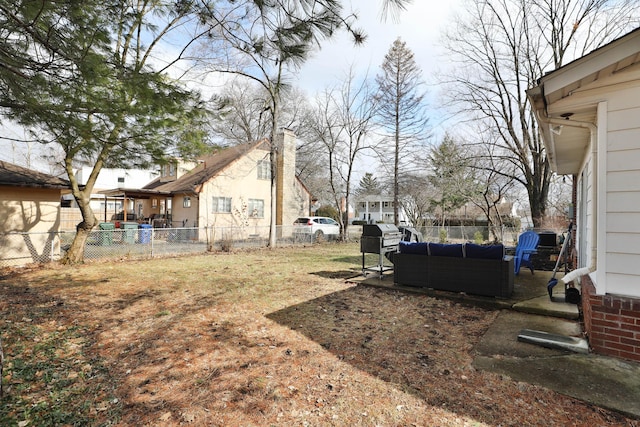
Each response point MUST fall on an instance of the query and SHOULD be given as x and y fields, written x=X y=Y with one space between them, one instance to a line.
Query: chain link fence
x=471 y=233
x=142 y=241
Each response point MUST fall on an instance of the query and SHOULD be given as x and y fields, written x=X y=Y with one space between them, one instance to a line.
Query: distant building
x=106 y=207
x=231 y=188
x=378 y=208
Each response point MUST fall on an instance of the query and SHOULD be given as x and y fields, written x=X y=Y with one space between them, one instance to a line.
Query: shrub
x=328 y=211
x=226 y=242
x=443 y=235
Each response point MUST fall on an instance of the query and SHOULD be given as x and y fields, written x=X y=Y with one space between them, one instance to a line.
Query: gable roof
x=17 y=176
x=208 y=168
x=604 y=61
x=564 y=117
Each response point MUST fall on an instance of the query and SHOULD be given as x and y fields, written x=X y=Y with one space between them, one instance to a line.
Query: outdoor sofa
x=470 y=268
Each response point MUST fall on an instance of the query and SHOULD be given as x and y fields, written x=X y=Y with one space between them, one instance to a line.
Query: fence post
x=1 y=367
x=53 y=246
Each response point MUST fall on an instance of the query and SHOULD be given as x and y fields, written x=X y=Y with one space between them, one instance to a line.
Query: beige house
x=231 y=188
x=589 y=115
x=29 y=203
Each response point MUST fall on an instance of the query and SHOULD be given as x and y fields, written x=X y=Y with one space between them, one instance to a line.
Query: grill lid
x=378 y=229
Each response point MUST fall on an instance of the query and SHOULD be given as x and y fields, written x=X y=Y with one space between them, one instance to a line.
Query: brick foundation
x=611 y=322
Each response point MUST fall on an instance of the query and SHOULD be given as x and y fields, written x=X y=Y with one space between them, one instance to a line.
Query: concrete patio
x=602 y=381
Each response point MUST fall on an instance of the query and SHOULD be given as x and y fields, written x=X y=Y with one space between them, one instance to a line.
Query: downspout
x=593 y=132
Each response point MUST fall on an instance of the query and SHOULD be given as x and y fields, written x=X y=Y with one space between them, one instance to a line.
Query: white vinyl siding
x=623 y=193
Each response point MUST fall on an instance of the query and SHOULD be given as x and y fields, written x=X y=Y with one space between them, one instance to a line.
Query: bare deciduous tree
x=494 y=186
x=417 y=198
x=343 y=127
x=500 y=48
x=241 y=112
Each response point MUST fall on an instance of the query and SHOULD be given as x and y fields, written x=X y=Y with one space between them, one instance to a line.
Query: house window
x=172 y=169
x=221 y=204
x=256 y=208
x=363 y=205
x=264 y=169
x=186 y=202
x=154 y=203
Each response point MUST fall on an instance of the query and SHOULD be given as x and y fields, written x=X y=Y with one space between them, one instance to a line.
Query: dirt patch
x=253 y=338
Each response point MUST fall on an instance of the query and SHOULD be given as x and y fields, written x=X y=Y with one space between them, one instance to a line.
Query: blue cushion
x=450 y=250
x=413 y=248
x=483 y=252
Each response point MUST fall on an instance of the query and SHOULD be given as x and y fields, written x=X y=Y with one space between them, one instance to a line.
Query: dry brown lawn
x=267 y=337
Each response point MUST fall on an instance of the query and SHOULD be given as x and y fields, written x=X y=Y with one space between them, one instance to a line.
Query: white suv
x=317 y=227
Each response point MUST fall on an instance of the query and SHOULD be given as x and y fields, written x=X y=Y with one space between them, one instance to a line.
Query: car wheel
x=319 y=235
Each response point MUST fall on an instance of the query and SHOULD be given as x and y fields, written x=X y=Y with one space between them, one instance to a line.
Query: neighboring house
x=378 y=208
x=117 y=178
x=29 y=203
x=231 y=188
x=589 y=114
x=105 y=208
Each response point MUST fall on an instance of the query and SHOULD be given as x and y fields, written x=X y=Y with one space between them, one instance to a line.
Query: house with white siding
x=589 y=115
x=374 y=208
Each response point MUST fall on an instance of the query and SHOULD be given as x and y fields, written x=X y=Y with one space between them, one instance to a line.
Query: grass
x=265 y=337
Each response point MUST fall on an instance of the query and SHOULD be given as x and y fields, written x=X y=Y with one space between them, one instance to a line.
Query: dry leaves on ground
x=255 y=338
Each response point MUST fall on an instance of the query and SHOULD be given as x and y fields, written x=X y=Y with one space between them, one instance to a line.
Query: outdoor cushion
x=450 y=250
x=472 y=250
x=413 y=247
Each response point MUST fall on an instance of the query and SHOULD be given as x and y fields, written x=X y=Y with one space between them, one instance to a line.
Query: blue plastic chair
x=527 y=243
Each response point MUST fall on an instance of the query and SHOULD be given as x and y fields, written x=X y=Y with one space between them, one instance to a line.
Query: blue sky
x=419 y=26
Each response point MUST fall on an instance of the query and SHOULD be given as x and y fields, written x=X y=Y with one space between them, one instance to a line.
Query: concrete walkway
x=505 y=349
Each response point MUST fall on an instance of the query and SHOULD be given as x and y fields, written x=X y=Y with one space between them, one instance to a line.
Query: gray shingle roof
x=207 y=169
x=17 y=176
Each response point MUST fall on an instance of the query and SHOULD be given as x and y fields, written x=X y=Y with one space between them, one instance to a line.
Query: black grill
x=379 y=239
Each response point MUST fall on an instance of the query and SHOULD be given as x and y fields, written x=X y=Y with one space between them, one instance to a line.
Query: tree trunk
x=75 y=253
x=1 y=368
x=538 y=204
x=274 y=174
